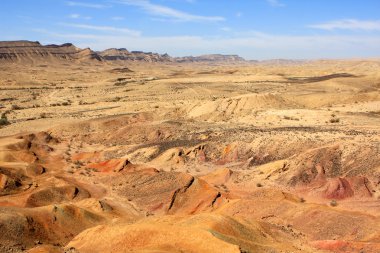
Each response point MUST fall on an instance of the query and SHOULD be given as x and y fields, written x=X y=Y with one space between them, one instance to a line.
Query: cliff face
x=28 y=51
x=32 y=52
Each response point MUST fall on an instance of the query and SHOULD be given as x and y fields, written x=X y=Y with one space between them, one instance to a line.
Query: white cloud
x=74 y=16
x=167 y=12
x=87 y=5
x=275 y=3
x=104 y=29
x=78 y=16
x=349 y=24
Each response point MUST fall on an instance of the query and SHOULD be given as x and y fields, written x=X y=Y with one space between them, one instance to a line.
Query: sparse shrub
x=334 y=120
x=120 y=79
x=291 y=118
x=78 y=163
x=120 y=84
x=302 y=200
x=16 y=107
x=259 y=185
x=333 y=203
x=43 y=115
x=4 y=120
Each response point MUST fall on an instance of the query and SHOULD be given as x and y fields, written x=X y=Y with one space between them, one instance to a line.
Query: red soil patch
x=113 y=165
x=338 y=188
x=332 y=245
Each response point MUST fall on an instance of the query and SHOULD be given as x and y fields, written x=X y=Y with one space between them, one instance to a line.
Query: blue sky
x=254 y=29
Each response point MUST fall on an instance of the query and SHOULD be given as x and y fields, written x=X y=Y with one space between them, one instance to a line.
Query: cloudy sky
x=254 y=29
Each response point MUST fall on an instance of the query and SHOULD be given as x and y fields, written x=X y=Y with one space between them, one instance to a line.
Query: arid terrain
x=120 y=151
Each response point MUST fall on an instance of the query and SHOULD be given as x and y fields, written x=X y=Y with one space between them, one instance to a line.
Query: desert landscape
x=119 y=151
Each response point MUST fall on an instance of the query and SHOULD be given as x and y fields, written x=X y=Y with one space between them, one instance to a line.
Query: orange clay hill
x=120 y=151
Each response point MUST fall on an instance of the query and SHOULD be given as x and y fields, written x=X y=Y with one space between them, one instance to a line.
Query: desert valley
x=119 y=151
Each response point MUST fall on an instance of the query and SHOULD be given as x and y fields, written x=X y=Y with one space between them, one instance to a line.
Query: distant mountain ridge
x=122 y=54
x=33 y=51
x=211 y=57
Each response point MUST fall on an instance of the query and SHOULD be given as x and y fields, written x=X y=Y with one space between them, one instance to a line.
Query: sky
x=253 y=29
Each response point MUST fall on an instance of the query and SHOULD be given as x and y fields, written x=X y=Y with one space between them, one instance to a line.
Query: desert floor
x=155 y=157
